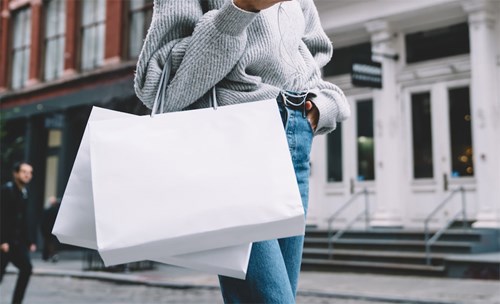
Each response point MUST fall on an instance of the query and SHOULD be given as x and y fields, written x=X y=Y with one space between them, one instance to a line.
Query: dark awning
x=96 y=95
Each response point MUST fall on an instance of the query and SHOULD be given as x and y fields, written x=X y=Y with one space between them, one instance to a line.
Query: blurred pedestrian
x=16 y=235
x=50 y=242
x=249 y=50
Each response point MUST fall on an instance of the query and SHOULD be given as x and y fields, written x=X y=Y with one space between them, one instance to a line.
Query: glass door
x=441 y=136
x=351 y=152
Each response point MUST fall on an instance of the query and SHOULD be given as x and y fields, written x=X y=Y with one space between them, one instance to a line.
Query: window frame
x=129 y=12
x=96 y=62
x=337 y=132
x=12 y=50
x=441 y=136
x=450 y=135
x=412 y=39
x=356 y=133
x=353 y=52
x=411 y=134
x=52 y=38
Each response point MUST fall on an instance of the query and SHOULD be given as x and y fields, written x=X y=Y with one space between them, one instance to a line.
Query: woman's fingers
x=309 y=105
x=312 y=114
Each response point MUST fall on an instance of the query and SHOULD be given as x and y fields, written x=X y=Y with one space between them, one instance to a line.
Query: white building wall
x=346 y=22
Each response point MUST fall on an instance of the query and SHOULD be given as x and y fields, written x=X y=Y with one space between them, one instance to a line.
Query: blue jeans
x=274 y=265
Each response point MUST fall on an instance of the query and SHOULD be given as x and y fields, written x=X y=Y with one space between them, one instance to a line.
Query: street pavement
x=59 y=290
x=66 y=282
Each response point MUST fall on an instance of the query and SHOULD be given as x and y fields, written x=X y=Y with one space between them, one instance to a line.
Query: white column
x=387 y=131
x=485 y=109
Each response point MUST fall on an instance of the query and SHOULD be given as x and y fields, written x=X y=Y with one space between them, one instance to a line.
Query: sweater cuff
x=328 y=111
x=232 y=20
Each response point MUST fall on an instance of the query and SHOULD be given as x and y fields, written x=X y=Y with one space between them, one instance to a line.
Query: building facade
x=432 y=128
x=59 y=58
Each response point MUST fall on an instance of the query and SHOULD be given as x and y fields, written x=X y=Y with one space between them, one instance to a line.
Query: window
x=55 y=30
x=21 y=42
x=93 y=31
x=365 y=140
x=140 y=14
x=460 y=133
x=437 y=43
x=422 y=135
x=334 y=152
x=343 y=57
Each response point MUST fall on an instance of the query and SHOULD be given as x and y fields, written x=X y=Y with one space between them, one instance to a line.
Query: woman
x=249 y=50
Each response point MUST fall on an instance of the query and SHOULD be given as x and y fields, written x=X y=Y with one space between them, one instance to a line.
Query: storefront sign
x=54 y=121
x=367 y=74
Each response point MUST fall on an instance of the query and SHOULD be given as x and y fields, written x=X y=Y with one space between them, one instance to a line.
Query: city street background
x=416 y=159
x=52 y=290
x=66 y=282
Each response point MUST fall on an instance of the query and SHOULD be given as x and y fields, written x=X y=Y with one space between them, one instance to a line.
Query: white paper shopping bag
x=192 y=181
x=75 y=223
x=228 y=261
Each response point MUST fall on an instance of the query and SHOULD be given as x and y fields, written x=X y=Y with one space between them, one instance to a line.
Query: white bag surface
x=75 y=223
x=192 y=181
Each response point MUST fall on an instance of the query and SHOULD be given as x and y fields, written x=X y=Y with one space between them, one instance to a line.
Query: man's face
x=24 y=175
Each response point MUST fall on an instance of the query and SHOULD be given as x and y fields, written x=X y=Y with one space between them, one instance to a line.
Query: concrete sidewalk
x=367 y=287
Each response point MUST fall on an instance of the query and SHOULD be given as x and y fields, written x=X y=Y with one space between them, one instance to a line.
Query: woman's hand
x=312 y=114
x=256 y=5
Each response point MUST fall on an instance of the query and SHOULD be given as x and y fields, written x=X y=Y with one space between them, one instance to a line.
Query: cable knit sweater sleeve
x=329 y=98
x=204 y=48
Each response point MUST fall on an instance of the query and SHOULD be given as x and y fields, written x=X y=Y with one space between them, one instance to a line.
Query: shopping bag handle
x=159 y=102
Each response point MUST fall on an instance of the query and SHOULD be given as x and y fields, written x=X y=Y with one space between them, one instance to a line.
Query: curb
x=120 y=279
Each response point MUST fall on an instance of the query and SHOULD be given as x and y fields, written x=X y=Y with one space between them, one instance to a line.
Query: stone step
x=372 y=267
x=416 y=258
x=471 y=235
x=393 y=251
x=394 y=245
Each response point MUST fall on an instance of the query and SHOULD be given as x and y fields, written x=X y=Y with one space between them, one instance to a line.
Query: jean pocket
x=309 y=126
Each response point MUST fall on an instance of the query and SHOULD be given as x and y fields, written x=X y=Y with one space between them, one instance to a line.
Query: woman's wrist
x=245 y=6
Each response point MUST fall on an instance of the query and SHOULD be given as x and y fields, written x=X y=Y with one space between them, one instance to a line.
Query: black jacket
x=49 y=219
x=15 y=228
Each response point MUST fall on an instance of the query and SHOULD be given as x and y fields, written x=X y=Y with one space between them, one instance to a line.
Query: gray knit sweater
x=247 y=56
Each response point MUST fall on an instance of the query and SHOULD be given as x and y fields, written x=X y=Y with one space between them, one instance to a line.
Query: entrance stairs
x=457 y=253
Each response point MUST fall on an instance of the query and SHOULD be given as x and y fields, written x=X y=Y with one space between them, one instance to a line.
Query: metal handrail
x=345 y=205
x=430 y=241
x=436 y=236
x=339 y=233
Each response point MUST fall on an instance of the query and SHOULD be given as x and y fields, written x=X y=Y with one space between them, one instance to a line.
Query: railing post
x=426 y=231
x=330 y=245
x=427 y=254
x=464 y=214
x=367 y=210
x=427 y=249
